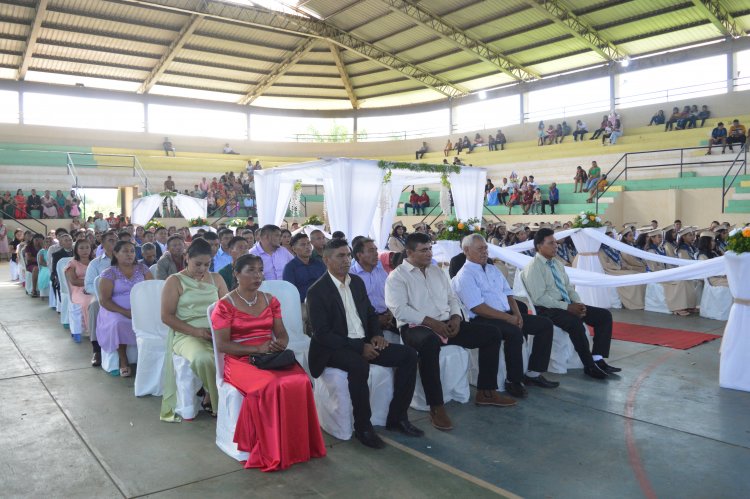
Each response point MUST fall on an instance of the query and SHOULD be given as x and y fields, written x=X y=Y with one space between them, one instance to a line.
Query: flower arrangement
x=295 y=202
x=168 y=194
x=313 y=220
x=198 y=222
x=739 y=240
x=587 y=219
x=237 y=222
x=443 y=170
x=455 y=230
x=153 y=224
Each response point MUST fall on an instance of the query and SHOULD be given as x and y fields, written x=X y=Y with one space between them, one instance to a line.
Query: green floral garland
x=443 y=170
x=739 y=240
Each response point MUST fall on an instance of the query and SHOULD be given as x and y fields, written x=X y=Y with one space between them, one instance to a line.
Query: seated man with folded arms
x=173 y=260
x=346 y=335
x=428 y=315
x=482 y=288
x=238 y=246
x=554 y=297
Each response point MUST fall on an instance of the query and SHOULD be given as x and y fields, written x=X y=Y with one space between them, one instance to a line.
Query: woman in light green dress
x=185 y=300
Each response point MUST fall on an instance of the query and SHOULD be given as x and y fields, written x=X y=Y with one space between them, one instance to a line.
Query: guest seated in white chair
x=113 y=323
x=484 y=291
x=346 y=335
x=173 y=260
x=94 y=270
x=186 y=296
x=707 y=251
x=428 y=314
x=554 y=297
x=75 y=272
x=367 y=266
x=616 y=263
x=277 y=424
x=681 y=296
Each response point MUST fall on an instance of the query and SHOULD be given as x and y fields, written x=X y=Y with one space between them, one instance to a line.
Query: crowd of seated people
x=349 y=294
x=228 y=195
x=681 y=119
x=526 y=193
x=48 y=205
x=494 y=143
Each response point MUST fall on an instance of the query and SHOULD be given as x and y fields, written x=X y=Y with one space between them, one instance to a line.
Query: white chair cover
x=150 y=336
x=75 y=319
x=21 y=268
x=13 y=270
x=228 y=407
x=152 y=269
x=656 y=301
x=454 y=376
x=188 y=385
x=64 y=291
x=716 y=302
x=334 y=405
x=52 y=298
x=392 y=337
x=291 y=311
x=97 y=280
x=111 y=361
x=734 y=369
x=502 y=370
x=588 y=259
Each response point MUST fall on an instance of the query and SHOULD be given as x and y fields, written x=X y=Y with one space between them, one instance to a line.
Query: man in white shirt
x=485 y=292
x=347 y=335
x=428 y=315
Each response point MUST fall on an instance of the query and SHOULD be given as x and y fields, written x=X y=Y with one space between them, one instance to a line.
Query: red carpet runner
x=672 y=338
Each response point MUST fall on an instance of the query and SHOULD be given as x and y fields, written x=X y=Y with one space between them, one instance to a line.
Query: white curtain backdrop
x=352 y=194
x=272 y=193
x=191 y=207
x=384 y=215
x=734 y=369
x=144 y=208
x=468 y=192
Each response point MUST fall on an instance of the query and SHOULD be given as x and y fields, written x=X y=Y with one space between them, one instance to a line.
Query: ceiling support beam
x=310 y=28
x=166 y=59
x=36 y=27
x=581 y=30
x=277 y=72
x=344 y=75
x=720 y=17
x=461 y=39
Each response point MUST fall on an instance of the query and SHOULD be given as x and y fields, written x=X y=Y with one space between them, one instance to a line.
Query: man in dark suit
x=347 y=336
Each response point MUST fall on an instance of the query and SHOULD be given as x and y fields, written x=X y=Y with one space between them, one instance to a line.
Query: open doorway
x=103 y=200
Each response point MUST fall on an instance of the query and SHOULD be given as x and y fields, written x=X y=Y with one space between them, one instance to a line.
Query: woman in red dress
x=277 y=425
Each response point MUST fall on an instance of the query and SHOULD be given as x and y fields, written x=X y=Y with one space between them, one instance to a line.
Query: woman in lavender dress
x=114 y=329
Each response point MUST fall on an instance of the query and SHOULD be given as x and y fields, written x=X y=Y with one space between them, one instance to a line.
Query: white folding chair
x=716 y=302
x=74 y=319
x=656 y=301
x=564 y=355
x=64 y=304
x=150 y=337
x=152 y=269
x=227 y=407
x=288 y=297
x=454 y=376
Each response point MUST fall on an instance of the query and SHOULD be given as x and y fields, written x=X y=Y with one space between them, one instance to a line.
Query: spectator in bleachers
x=601 y=184
x=448 y=148
x=718 y=136
x=565 y=129
x=593 y=174
x=580 y=131
x=580 y=179
x=540 y=133
x=616 y=133
x=33 y=202
x=602 y=126
x=49 y=206
x=488 y=186
x=536 y=203
x=168 y=146
x=703 y=115
x=682 y=122
x=478 y=140
x=553 y=197
x=62 y=204
x=74 y=205
x=550 y=136
x=673 y=119
x=558 y=133
x=468 y=144
x=228 y=149
x=737 y=135
x=491 y=143
x=692 y=117
x=413 y=203
x=419 y=154
x=527 y=198
x=6 y=205
x=501 y=140
x=20 y=204
x=424 y=200
x=658 y=118
x=458 y=145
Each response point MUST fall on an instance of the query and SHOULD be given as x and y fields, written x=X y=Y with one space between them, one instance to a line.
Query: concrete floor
x=663 y=429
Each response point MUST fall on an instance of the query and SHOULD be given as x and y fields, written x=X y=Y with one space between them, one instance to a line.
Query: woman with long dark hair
x=75 y=273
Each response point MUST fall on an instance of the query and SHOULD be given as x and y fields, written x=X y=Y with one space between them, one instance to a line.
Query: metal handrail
x=739 y=165
x=681 y=163
x=8 y=216
x=135 y=165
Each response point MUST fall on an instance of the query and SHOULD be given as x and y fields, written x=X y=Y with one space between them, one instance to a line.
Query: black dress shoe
x=370 y=439
x=606 y=367
x=541 y=382
x=96 y=360
x=405 y=427
x=516 y=389
x=594 y=372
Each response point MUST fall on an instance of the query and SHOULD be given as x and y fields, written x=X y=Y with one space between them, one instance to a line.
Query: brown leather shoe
x=492 y=397
x=439 y=418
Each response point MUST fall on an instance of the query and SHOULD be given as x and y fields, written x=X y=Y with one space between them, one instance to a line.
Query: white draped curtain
x=352 y=194
x=467 y=188
x=588 y=259
x=734 y=369
x=145 y=207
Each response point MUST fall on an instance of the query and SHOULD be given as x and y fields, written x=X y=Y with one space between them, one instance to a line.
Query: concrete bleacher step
x=738 y=206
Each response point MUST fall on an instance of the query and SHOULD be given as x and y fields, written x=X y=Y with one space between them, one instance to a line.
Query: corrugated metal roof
x=124 y=40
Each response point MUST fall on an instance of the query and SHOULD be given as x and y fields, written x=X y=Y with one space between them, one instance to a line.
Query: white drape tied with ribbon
x=588 y=259
x=734 y=370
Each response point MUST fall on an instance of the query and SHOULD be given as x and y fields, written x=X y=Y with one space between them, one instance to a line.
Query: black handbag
x=273 y=360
